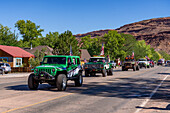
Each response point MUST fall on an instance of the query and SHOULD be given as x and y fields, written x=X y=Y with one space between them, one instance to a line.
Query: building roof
x=84 y=54
x=39 y=48
x=15 y=51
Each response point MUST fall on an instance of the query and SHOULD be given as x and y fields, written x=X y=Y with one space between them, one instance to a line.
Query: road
x=144 y=91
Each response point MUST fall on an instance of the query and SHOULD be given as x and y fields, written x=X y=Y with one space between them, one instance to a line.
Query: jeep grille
x=127 y=64
x=94 y=65
x=45 y=70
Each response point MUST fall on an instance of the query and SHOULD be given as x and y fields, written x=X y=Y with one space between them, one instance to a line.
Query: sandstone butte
x=155 y=32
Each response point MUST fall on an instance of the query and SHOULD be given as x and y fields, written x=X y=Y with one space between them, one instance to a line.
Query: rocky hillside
x=155 y=32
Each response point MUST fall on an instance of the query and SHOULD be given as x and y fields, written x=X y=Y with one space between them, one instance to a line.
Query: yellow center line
x=37 y=103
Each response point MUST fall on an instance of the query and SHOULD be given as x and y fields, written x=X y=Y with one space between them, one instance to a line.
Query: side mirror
x=41 y=63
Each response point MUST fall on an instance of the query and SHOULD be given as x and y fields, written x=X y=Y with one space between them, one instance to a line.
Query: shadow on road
x=156 y=108
x=164 y=73
x=127 y=88
x=115 y=87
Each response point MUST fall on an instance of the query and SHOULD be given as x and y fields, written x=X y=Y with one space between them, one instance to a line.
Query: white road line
x=153 y=92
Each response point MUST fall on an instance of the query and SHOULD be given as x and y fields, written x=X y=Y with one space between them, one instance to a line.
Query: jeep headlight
x=36 y=70
x=53 y=70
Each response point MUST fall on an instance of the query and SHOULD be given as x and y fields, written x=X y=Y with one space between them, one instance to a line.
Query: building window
x=18 y=62
x=3 y=59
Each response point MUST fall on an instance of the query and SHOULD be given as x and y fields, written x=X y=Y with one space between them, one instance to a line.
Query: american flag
x=71 y=52
x=102 y=50
x=133 y=54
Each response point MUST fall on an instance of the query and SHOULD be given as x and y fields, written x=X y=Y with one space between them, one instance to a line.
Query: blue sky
x=80 y=16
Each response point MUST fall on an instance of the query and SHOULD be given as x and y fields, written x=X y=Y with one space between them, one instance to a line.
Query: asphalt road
x=144 y=91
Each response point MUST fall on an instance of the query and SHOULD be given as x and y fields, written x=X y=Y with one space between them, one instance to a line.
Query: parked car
x=113 y=64
x=6 y=67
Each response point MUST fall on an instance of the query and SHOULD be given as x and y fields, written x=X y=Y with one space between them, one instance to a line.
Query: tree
x=63 y=43
x=50 y=39
x=39 y=55
x=7 y=37
x=28 y=30
x=93 y=45
x=155 y=55
x=129 y=44
x=114 y=45
x=141 y=50
x=165 y=55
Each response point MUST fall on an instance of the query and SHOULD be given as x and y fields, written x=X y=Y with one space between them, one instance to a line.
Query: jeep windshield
x=97 y=60
x=54 y=60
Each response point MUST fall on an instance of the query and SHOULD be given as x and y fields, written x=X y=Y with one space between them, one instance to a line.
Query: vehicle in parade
x=151 y=62
x=113 y=64
x=161 y=62
x=56 y=70
x=130 y=63
x=143 y=63
x=98 y=64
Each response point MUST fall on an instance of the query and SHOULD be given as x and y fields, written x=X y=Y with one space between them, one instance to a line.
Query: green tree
x=165 y=55
x=39 y=55
x=155 y=55
x=63 y=43
x=50 y=39
x=141 y=50
x=93 y=45
x=129 y=45
x=114 y=45
x=7 y=37
x=28 y=30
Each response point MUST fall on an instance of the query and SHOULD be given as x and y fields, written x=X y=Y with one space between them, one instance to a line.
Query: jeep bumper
x=44 y=76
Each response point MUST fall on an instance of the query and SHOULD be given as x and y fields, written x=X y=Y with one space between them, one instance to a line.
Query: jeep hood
x=58 y=66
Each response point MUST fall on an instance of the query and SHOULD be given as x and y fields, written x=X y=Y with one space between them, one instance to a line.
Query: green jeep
x=56 y=70
x=98 y=65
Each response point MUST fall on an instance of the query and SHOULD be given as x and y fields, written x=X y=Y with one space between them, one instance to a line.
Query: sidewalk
x=23 y=74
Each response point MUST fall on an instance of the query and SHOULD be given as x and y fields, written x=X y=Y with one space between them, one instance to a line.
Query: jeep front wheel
x=104 y=73
x=61 y=82
x=86 y=74
x=32 y=83
x=134 y=68
x=111 y=71
x=79 y=80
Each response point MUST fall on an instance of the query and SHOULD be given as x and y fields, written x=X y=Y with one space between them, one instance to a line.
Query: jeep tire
x=32 y=83
x=134 y=68
x=123 y=68
x=137 y=68
x=79 y=80
x=86 y=74
x=110 y=72
x=104 y=73
x=92 y=74
x=61 y=82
